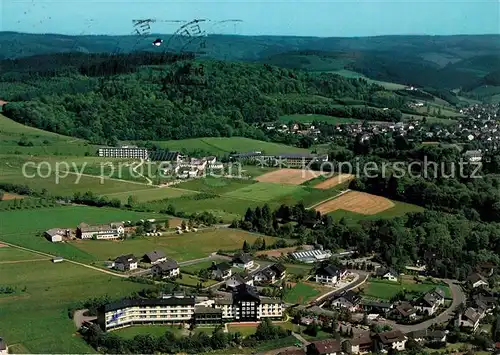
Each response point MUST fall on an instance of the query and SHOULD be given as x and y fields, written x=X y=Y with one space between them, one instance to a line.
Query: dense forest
x=455 y=243
x=183 y=99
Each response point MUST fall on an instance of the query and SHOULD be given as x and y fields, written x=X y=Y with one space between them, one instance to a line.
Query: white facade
x=245 y=266
x=124 y=152
x=56 y=238
x=399 y=345
x=101 y=232
x=166 y=273
x=327 y=279
x=126 y=267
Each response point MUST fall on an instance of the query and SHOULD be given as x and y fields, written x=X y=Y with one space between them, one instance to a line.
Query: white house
x=329 y=274
x=430 y=301
x=126 y=262
x=166 y=269
x=387 y=274
x=477 y=280
x=470 y=319
x=393 y=339
x=235 y=280
x=243 y=261
x=155 y=257
x=220 y=271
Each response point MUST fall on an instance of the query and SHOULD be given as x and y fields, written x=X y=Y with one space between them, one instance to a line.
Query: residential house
x=220 y=271
x=330 y=274
x=348 y=300
x=236 y=280
x=430 y=301
x=484 y=301
x=3 y=347
x=473 y=156
x=405 y=311
x=166 y=269
x=56 y=234
x=280 y=271
x=361 y=344
x=477 y=280
x=393 y=339
x=126 y=262
x=154 y=257
x=470 y=319
x=428 y=336
x=325 y=347
x=486 y=269
x=381 y=308
x=387 y=274
x=243 y=261
x=270 y=274
x=103 y=231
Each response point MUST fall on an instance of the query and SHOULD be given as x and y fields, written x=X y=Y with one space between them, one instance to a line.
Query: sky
x=347 y=18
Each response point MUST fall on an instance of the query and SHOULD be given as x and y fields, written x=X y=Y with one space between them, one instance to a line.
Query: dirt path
x=134 y=169
x=328 y=199
x=22 y=261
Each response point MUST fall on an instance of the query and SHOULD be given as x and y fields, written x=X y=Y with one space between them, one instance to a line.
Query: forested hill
x=444 y=62
x=183 y=99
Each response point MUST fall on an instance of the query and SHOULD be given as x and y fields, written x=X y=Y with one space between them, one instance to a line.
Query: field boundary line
x=330 y=198
x=21 y=261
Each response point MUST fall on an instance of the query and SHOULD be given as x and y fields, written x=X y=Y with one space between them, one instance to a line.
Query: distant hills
x=470 y=63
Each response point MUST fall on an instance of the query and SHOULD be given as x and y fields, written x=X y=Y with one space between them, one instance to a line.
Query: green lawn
x=8 y=254
x=297 y=269
x=253 y=170
x=244 y=330
x=194 y=268
x=193 y=281
x=301 y=293
x=181 y=247
x=264 y=191
x=221 y=146
x=150 y=194
x=31 y=319
x=386 y=289
x=214 y=185
x=309 y=118
x=43 y=142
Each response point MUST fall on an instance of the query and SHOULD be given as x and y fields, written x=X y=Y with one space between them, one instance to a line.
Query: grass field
x=15 y=229
x=44 y=143
x=264 y=191
x=399 y=209
x=181 y=247
x=296 y=269
x=289 y=176
x=150 y=194
x=220 y=146
x=194 y=268
x=214 y=185
x=385 y=84
x=193 y=281
x=301 y=293
x=153 y=330
x=309 y=118
x=8 y=254
x=358 y=202
x=32 y=318
x=443 y=121
x=386 y=289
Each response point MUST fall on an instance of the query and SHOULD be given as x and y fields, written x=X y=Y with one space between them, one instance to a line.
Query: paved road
x=363 y=276
x=458 y=298
x=79 y=318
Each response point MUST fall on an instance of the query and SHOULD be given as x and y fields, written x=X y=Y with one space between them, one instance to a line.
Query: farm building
x=126 y=262
x=58 y=259
x=112 y=230
x=311 y=256
x=56 y=234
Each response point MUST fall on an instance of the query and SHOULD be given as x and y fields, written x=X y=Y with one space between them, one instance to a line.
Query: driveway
x=362 y=277
x=458 y=298
x=79 y=318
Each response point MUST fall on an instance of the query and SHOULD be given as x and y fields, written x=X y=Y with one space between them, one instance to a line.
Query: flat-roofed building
x=124 y=152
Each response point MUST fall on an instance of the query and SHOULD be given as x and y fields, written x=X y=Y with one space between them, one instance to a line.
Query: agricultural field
x=38 y=310
x=7 y=196
x=358 y=202
x=263 y=191
x=334 y=181
x=39 y=142
x=385 y=290
x=355 y=75
x=214 y=185
x=399 y=210
x=301 y=293
x=309 y=118
x=221 y=146
x=9 y=255
x=150 y=194
x=289 y=176
x=181 y=247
